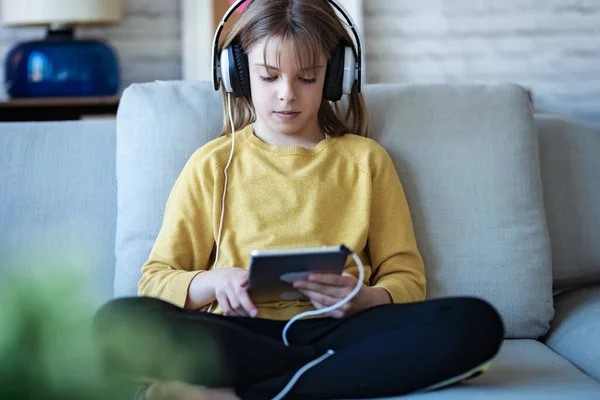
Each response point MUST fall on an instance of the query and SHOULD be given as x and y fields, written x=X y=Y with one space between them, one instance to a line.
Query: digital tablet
x=272 y=272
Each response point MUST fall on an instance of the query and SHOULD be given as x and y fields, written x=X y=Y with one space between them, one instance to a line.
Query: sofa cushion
x=467 y=156
x=523 y=369
x=159 y=126
x=59 y=200
x=570 y=159
x=575 y=329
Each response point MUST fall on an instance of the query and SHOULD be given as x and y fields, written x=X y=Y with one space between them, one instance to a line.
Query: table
x=58 y=108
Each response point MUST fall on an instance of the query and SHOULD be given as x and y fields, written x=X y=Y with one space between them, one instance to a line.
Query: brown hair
x=315 y=29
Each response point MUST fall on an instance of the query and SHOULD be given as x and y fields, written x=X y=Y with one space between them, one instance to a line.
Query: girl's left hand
x=325 y=290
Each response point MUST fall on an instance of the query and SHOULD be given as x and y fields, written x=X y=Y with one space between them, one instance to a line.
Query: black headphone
x=344 y=68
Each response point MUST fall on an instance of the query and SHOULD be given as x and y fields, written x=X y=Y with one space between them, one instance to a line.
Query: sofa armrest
x=575 y=330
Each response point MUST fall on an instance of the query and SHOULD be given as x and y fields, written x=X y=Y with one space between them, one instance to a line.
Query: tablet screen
x=272 y=272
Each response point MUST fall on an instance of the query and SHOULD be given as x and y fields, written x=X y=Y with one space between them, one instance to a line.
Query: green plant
x=48 y=352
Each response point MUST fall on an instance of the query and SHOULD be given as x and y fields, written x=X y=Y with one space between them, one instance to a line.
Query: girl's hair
x=315 y=29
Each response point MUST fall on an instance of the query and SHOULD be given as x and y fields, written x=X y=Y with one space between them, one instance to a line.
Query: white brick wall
x=550 y=46
x=147 y=41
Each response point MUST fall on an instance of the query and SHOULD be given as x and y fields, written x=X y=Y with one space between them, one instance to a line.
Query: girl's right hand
x=231 y=294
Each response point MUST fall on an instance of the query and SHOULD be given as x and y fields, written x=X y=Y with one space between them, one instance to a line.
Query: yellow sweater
x=344 y=190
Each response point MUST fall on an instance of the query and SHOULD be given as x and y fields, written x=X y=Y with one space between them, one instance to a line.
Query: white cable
x=330 y=352
x=361 y=275
x=225 y=172
x=301 y=371
x=224 y=187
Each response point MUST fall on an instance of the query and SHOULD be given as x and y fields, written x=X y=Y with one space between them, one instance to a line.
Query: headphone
x=343 y=70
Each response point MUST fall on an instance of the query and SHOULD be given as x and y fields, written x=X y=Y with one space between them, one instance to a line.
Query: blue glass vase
x=62 y=66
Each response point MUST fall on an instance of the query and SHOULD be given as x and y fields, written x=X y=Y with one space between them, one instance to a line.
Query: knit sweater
x=343 y=190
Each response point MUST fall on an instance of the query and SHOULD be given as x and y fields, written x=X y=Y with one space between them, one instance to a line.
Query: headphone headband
x=334 y=3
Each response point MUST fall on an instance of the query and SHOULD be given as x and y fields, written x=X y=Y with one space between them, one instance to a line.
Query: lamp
x=60 y=64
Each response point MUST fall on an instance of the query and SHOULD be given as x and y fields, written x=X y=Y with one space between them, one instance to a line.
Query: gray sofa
x=505 y=205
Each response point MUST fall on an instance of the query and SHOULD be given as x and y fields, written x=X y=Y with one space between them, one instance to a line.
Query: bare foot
x=185 y=391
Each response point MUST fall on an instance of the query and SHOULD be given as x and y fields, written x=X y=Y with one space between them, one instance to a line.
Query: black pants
x=383 y=351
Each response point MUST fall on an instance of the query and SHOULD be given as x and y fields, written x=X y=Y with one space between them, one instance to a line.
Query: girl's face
x=286 y=101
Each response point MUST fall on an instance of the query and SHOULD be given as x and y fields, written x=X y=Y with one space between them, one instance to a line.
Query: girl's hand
x=230 y=292
x=325 y=290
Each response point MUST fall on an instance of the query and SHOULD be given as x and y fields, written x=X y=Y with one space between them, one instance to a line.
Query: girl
x=301 y=174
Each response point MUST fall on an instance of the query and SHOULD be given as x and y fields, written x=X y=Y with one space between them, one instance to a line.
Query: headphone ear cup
x=332 y=89
x=238 y=71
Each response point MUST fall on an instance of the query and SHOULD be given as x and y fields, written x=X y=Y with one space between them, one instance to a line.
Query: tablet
x=272 y=272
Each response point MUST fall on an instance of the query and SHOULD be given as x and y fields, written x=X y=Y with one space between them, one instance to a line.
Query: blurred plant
x=47 y=350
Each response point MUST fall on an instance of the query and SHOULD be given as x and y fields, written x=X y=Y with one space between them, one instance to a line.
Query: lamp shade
x=49 y=12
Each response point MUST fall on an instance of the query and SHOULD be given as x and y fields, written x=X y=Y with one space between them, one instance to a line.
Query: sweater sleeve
x=185 y=241
x=396 y=261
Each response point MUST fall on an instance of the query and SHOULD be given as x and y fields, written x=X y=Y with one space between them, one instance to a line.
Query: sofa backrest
x=467 y=156
x=58 y=201
x=59 y=185
x=570 y=159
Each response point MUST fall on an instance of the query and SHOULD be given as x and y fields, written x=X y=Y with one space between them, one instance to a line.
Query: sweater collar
x=248 y=134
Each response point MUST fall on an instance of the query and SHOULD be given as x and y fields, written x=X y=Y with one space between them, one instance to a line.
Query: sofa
x=505 y=204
